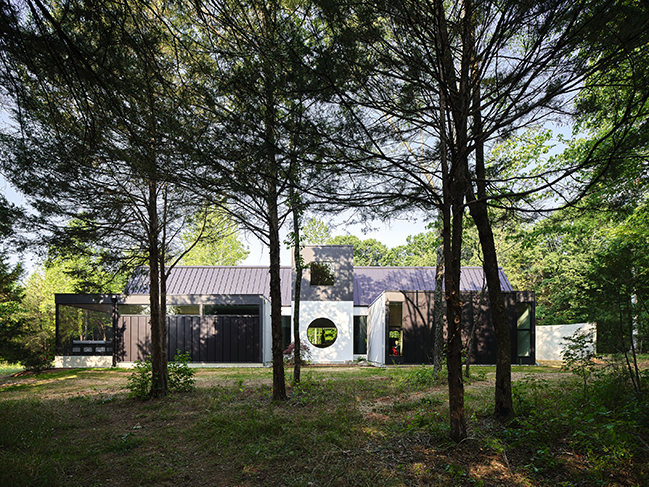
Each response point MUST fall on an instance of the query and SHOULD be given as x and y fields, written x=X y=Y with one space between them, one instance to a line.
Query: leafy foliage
x=212 y=238
x=579 y=353
x=181 y=376
x=603 y=423
x=305 y=353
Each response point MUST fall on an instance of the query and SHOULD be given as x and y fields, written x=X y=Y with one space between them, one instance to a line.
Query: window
x=322 y=333
x=322 y=274
x=395 y=333
x=193 y=309
x=218 y=309
x=134 y=309
x=396 y=315
x=523 y=330
x=360 y=335
x=287 y=331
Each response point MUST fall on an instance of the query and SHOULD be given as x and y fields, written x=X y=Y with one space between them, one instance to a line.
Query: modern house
x=221 y=315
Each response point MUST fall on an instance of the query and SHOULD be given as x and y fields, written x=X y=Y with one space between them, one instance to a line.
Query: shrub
x=181 y=376
x=305 y=354
x=579 y=354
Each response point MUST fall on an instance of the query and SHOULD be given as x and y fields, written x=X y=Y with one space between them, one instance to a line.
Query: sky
x=390 y=234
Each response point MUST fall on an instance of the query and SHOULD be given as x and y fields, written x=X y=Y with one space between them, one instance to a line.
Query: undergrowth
x=180 y=376
x=605 y=421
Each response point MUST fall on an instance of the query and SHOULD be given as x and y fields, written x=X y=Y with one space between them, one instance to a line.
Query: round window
x=322 y=333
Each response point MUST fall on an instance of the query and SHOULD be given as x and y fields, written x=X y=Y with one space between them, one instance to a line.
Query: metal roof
x=369 y=282
x=215 y=280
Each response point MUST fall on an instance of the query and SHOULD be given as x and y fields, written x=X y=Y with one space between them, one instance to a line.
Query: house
x=221 y=315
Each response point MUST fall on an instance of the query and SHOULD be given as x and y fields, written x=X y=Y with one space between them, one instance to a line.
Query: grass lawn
x=351 y=426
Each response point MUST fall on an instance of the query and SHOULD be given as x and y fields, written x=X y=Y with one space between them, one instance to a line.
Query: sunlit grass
x=9 y=369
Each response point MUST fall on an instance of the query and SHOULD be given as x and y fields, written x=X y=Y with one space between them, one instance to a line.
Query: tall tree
x=102 y=111
x=274 y=122
x=493 y=68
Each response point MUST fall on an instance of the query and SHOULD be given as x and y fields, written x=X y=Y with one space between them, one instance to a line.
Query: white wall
x=83 y=361
x=341 y=313
x=549 y=339
x=376 y=332
x=267 y=336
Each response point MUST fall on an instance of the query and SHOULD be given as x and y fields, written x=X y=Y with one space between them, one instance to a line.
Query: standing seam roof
x=369 y=282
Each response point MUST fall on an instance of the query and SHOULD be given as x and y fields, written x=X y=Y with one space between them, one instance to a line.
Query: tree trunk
x=279 y=384
x=438 y=310
x=503 y=406
x=159 y=386
x=297 y=357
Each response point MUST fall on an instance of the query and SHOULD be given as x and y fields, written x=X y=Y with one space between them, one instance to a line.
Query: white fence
x=549 y=339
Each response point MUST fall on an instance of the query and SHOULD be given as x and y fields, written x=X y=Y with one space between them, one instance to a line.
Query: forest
x=152 y=133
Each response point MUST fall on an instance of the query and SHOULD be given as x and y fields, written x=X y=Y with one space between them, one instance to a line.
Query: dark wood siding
x=418 y=336
x=212 y=339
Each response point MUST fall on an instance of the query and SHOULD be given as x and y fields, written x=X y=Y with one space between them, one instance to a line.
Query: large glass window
x=85 y=331
x=523 y=329
x=322 y=273
x=360 y=335
x=322 y=333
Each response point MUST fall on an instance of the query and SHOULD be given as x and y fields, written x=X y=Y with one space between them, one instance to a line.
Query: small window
x=134 y=309
x=193 y=309
x=395 y=339
x=396 y=315
x=360 y=335
x=322 y=333
x=523 y=330
x=217 y=309
x=287 y=331
x=322 y=274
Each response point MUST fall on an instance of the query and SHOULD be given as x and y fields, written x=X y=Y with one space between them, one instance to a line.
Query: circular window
x=322 y=333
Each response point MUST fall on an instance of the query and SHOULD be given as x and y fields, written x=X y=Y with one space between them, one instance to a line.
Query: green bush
x=181 y=376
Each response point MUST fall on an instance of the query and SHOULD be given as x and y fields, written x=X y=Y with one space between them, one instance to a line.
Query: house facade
x=221 y=315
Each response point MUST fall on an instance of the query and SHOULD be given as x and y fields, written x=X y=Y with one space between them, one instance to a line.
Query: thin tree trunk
x=438 y=311
x=454 y=319
x=279 y=384
x=503 y=406
x=159 y=384
x=469 y=346
x=297 y=357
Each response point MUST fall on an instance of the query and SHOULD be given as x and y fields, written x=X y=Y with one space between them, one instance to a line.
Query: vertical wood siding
x=215 y=339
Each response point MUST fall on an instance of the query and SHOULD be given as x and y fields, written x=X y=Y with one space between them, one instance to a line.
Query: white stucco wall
x=83 y=361
x=549 y=339
x=341 y=313
x=376 y=331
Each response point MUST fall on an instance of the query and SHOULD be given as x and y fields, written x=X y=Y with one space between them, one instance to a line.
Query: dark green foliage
x=604 y=424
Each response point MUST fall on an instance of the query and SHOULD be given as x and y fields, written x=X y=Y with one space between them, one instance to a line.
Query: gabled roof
x=369 y=282
x=215 y=280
